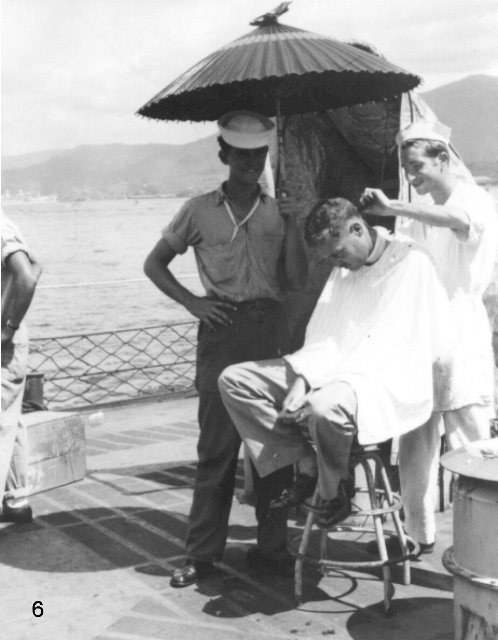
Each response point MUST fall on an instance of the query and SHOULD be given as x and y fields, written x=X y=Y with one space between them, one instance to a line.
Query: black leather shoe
x=394 y=548
x=334 y=511
x=19 y=515
x=279 y=563
x=302 y=488
x=190 y=573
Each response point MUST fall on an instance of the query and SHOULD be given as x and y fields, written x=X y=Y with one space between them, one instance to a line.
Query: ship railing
x=106 y=368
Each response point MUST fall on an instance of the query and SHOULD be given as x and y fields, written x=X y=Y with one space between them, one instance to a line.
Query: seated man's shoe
x=280 y=563
x=191 y=572
x=334 y=511
x=393 y=547
x=303 y=487
x=17 y=514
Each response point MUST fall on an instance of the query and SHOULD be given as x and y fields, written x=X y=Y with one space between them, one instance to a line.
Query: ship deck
x=100 y=551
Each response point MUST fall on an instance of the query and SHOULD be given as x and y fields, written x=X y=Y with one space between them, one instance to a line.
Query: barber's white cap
x=424 y=130
x=245 y=129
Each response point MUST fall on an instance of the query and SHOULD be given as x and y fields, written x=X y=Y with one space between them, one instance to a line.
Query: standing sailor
x=246 y=253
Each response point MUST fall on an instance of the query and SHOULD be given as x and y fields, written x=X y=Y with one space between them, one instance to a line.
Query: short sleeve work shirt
x=234 y=266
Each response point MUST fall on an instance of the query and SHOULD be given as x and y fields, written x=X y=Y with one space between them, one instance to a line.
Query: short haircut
x=432 y=148
x=331 y=214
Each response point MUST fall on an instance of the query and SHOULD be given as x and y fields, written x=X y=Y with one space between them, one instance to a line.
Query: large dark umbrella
x=278 y=70
x=302 y=71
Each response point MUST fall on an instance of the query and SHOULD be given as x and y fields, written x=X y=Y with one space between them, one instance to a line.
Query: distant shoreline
x=483 y=181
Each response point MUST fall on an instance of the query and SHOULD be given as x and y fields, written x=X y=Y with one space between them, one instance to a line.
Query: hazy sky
x=75 y=71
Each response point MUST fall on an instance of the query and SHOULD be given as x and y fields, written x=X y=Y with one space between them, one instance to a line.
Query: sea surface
x=92 y=254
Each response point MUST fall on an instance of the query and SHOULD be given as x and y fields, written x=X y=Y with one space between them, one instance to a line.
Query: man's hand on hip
x=212 y=312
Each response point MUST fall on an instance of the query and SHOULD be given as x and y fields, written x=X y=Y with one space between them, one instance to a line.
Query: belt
x=258 y=303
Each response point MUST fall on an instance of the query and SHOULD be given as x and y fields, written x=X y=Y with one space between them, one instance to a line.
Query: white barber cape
x=383 y=329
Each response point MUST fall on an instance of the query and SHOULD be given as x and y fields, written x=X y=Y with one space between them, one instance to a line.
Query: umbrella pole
x=280 y=149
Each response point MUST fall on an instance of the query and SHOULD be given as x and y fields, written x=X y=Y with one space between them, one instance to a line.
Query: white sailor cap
x=424 y=130
x=245 y=129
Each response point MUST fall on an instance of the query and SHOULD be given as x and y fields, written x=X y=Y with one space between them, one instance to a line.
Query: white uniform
x=465 y=266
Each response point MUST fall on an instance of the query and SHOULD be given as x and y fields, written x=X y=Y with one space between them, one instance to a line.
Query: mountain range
x=470 y=108
x=120 y=170
x=116 y=171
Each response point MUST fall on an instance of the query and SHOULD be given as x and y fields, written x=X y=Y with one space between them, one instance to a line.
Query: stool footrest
x=360 y=564
x=382 y=502
x=384 y=510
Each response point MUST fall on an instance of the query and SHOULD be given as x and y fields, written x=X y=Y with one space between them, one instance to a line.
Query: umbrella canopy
x=276 y=69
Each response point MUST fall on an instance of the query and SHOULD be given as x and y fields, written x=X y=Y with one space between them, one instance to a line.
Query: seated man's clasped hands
x=380 y=329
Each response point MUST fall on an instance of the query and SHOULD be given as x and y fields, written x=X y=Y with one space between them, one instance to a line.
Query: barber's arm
x=376 y=202
x=25 y=275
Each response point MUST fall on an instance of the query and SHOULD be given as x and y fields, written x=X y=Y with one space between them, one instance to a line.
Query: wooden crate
x=56 y=449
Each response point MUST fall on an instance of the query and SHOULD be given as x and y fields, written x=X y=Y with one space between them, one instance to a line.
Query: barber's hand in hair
x=212 y=312
x=374 y=201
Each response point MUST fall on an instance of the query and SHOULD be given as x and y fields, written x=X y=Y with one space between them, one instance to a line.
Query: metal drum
x=473 y=559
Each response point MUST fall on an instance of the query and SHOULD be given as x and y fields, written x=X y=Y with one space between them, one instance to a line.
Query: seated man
x=379 y=334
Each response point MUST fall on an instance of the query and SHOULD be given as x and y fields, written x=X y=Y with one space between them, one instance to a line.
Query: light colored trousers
x=253 y=393
x=419 y=463
x=13 y=464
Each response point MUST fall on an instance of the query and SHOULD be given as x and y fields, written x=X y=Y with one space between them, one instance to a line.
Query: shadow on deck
x=100 y=552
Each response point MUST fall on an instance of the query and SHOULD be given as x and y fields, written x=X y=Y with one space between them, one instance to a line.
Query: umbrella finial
x=271 y=17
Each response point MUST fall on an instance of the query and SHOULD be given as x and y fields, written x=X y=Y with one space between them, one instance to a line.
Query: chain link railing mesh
x=113 y=366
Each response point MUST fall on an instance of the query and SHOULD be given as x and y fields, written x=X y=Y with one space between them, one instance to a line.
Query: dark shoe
x=302 y=488
x=394 y=548
x=279 y=563
x=332 y=512
x=338 y=509
x=190 y=573
x=19 y=515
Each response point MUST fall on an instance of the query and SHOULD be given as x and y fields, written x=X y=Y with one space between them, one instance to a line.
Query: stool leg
x=324 y=538
x=398 y=525
x=303 y=547
x=379 y=532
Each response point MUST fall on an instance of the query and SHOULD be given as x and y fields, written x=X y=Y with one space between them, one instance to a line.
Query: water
x=97 y=242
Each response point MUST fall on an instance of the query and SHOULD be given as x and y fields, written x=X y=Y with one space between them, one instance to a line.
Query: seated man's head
x=337 y=231
x=244 y=139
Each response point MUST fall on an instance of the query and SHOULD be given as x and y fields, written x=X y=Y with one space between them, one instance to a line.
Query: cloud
x=75 y=72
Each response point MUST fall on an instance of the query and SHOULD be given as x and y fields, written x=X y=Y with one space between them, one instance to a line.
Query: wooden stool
x=383 y=502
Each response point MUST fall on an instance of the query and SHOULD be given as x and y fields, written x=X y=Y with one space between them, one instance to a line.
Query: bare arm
x=25 y=276
x=156 y=267
x=376 y=202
